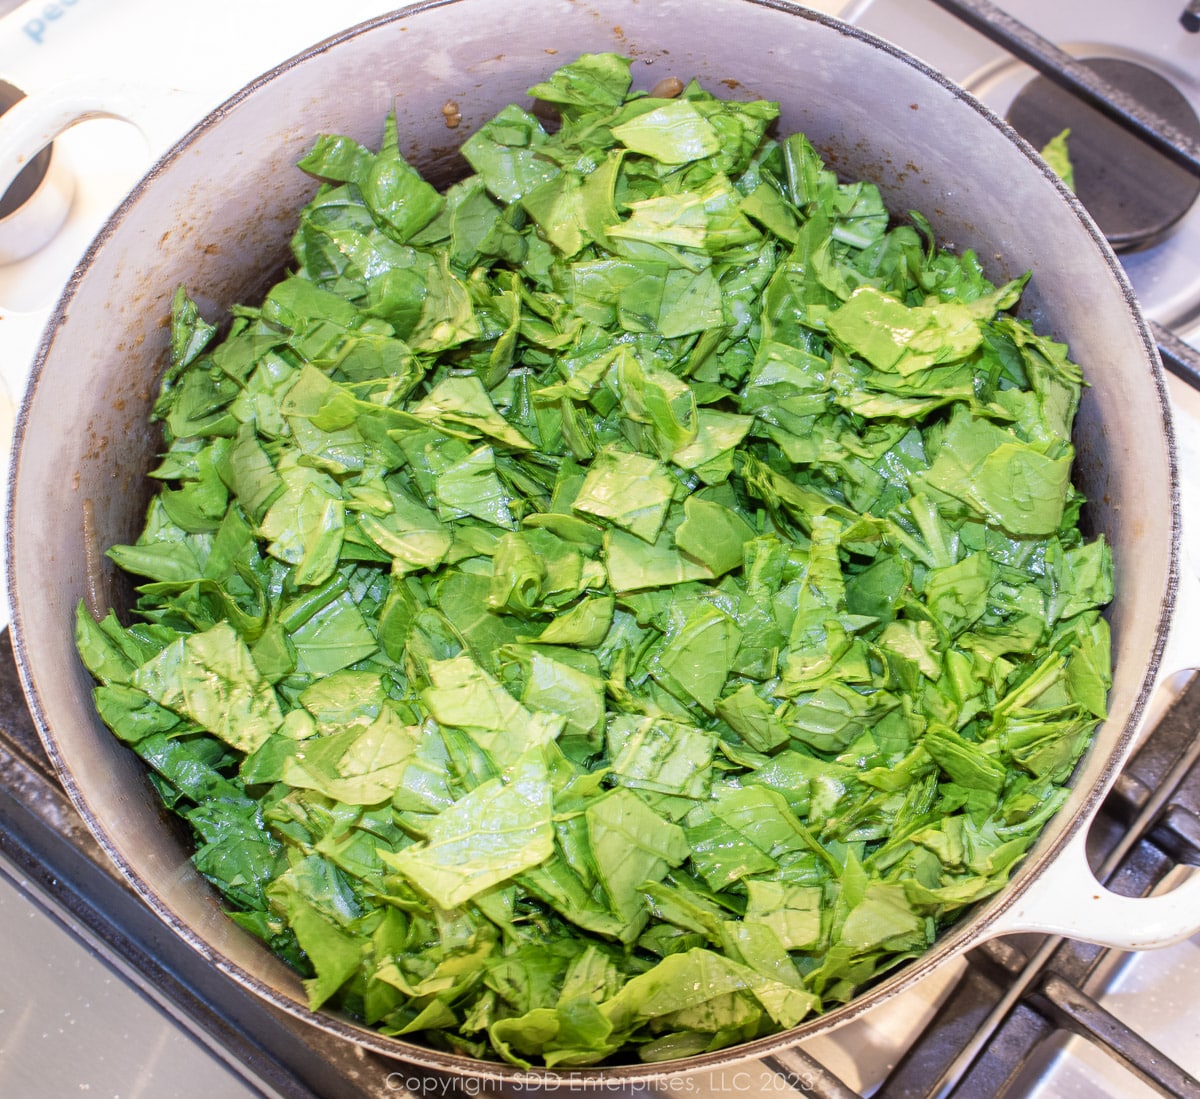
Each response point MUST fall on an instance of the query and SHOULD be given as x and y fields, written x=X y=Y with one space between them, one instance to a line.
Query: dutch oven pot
x=215 y=214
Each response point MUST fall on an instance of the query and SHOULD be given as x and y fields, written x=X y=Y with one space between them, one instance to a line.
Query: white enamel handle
x=1068 y=900
x=29 y=126
x=161 y=114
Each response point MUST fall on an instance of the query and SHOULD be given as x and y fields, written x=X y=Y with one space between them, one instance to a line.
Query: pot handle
x=161 y=114
x=26 y=128
x=1070 y=901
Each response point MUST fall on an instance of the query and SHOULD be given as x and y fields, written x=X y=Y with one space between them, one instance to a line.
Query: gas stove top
x=1030 y=999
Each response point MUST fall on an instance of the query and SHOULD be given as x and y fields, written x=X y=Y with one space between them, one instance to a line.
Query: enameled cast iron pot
x=216 y=212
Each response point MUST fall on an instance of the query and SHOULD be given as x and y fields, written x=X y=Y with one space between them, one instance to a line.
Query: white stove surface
x=207 y=58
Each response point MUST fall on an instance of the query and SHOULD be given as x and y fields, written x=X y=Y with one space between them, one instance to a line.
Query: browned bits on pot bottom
x=667 y=88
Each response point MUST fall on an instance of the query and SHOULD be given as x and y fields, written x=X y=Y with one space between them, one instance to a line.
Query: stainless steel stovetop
x=95 y=998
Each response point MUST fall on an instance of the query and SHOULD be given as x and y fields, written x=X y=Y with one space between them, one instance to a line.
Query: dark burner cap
x=1134 y=192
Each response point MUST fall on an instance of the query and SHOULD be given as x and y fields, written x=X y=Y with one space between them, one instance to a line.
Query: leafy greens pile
x=623 y=604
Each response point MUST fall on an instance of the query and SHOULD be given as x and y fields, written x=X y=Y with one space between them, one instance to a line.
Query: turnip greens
x=617 y=607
